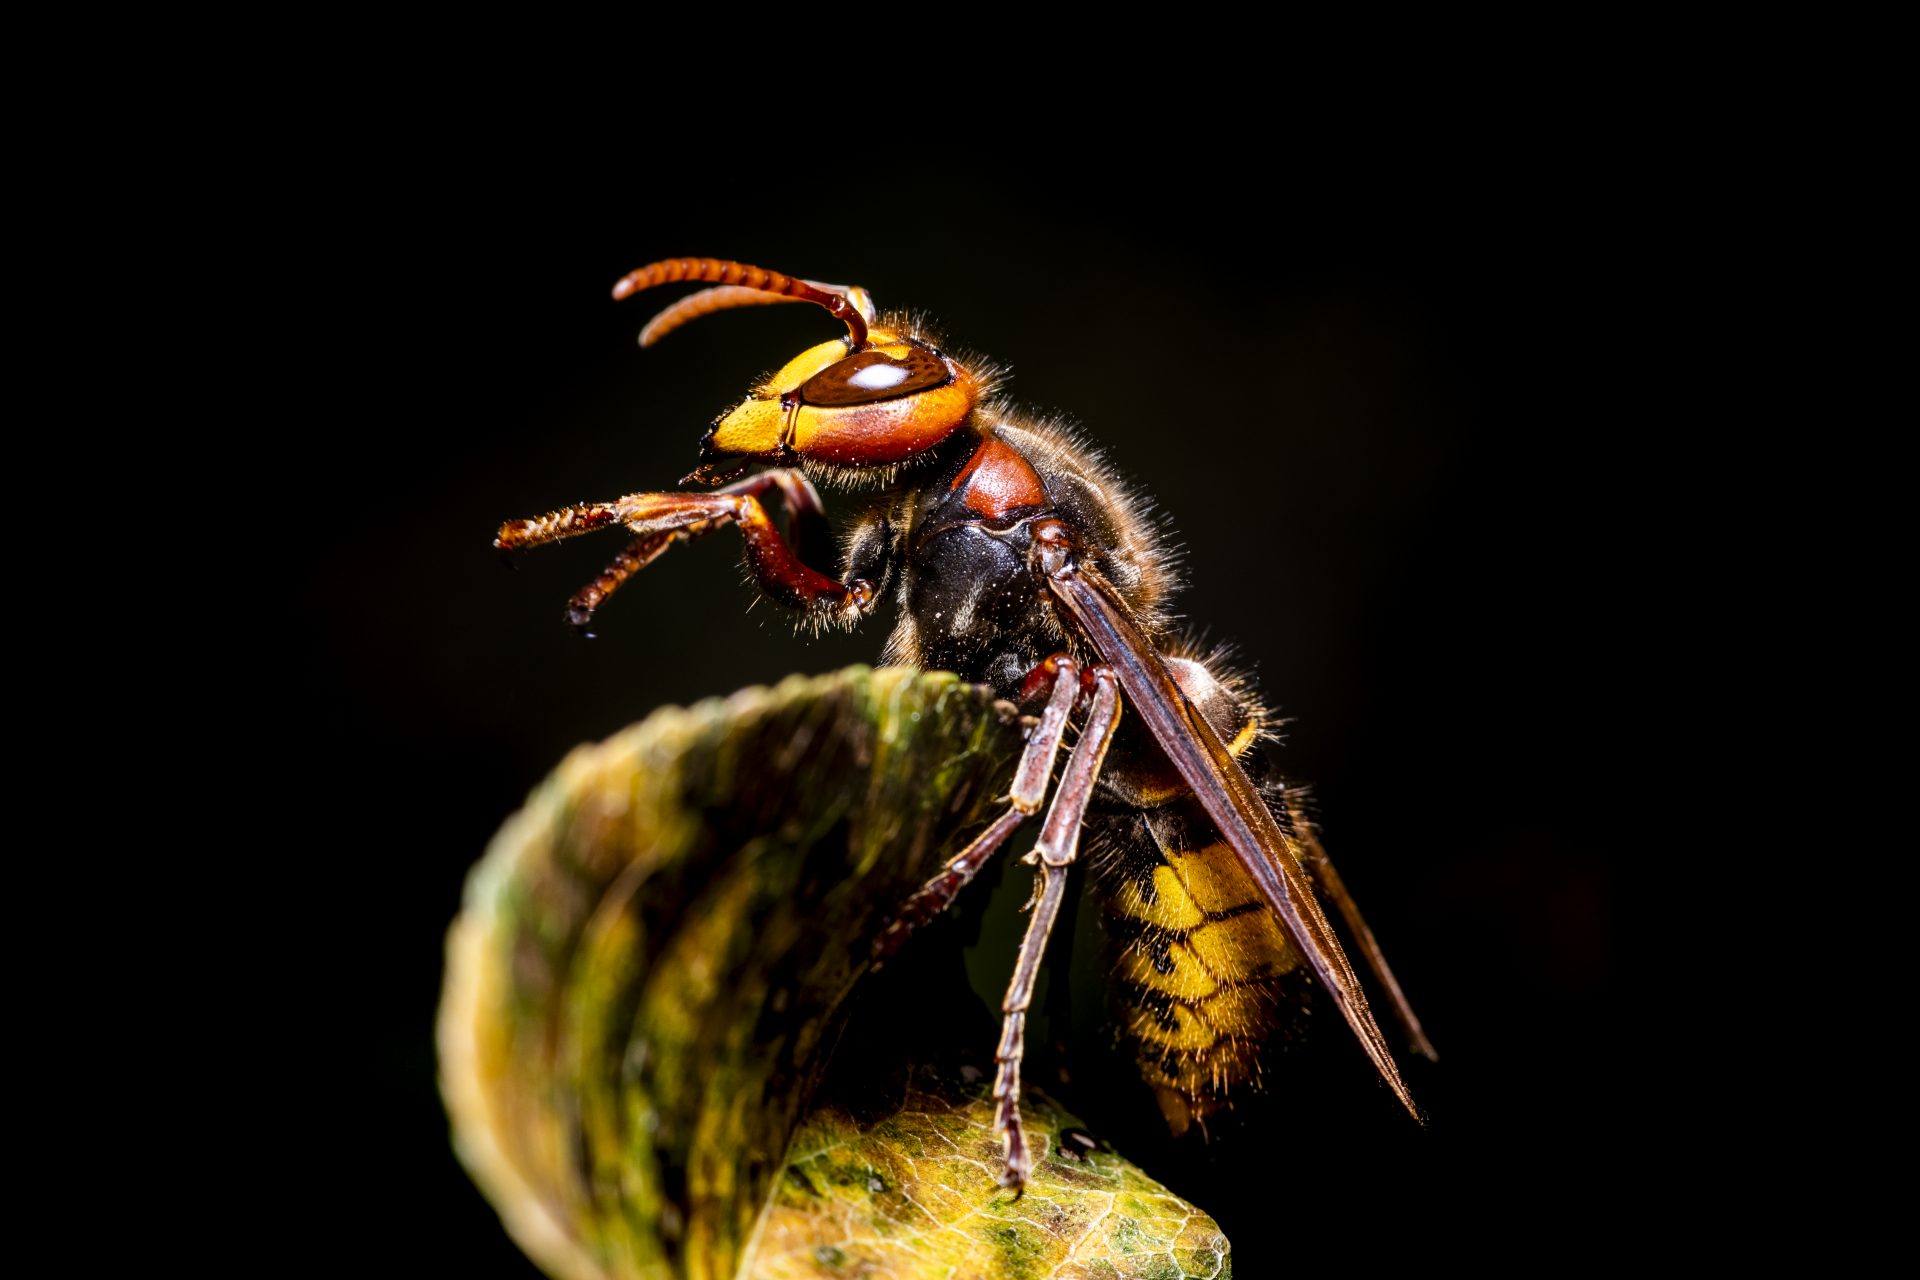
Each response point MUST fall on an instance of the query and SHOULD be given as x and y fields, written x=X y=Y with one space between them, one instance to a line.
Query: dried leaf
x=651 y=975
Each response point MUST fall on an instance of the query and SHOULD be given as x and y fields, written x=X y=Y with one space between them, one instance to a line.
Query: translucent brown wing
x=1228 y=796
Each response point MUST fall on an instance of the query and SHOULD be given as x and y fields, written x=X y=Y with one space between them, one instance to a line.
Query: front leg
x=659 y=519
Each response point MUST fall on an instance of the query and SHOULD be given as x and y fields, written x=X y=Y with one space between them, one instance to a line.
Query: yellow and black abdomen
x=1205 y=978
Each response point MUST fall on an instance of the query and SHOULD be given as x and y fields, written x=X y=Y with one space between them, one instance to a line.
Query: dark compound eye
x=871 y=376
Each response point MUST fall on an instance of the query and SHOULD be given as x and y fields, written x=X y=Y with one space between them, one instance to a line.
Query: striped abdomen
x=1205 y=977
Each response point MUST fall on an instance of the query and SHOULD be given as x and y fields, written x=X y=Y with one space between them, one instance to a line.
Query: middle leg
x=1052 y=854
x=1029 y=790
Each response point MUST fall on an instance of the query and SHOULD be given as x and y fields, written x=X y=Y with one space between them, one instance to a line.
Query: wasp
x=1018 y=559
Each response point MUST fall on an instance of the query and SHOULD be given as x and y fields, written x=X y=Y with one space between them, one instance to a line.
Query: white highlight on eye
x=877 y=377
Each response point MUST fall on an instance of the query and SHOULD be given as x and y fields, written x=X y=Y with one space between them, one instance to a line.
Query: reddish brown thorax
x=997 y=481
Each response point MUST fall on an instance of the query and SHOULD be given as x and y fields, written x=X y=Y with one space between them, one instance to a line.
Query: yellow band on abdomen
x=1202 y=974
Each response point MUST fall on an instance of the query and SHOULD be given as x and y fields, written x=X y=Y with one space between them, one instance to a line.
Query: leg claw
x=1019 y=1161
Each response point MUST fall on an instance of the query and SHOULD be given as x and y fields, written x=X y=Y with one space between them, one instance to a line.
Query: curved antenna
x=737 y=276
x=724 y=297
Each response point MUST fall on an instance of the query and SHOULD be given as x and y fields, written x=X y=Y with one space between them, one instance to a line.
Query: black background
x=1398 y=407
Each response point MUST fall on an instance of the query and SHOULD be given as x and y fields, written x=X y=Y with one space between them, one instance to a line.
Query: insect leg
x=640 y=553
x=807 y=530
x=801 y=498
x=1052 y=854
x=1319 y=868
x=660 y=518
x=1029 y=790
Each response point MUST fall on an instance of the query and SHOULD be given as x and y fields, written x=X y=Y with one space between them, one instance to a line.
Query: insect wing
x=1334 y=890
x=1229 y=798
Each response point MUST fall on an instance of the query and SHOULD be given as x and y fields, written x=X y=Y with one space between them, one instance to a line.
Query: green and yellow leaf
x=651 y=974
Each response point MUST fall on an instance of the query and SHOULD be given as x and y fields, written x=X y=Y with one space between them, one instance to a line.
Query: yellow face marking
x=814 y=359
x=800 y=368
x=753 y=428
x=761 y=426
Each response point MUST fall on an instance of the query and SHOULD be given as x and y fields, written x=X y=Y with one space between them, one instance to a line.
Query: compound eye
x=874 y=375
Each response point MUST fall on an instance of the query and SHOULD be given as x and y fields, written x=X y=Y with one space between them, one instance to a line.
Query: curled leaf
x=652 y=972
